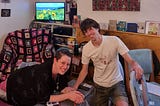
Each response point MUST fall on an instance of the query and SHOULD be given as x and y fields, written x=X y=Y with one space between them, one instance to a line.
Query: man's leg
x=119 y=95
x=101 y=95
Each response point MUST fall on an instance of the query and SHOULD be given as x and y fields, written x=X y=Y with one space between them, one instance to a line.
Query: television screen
x=50 y=11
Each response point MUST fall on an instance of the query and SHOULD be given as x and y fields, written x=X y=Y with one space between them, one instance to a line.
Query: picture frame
x=116 y=5
x=5 y=1
x=5 y=12
x=152 y=27
x=141 y=27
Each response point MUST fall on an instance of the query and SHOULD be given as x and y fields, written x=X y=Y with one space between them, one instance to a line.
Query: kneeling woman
x=37 y=84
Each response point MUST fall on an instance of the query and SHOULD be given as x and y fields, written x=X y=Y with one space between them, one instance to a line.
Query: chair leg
x=127 y=78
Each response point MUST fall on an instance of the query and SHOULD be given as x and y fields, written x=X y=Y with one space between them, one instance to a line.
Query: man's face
x=92 y=33
x=63 y=64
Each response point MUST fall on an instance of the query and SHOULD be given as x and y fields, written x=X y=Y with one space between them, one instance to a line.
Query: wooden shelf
x=132 y=41
x=54 y=24
x=138 y=41
x=61 y=39
x=66 y=36
x=62 y=45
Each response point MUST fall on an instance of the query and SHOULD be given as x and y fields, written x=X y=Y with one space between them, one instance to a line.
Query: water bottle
x=76 y=49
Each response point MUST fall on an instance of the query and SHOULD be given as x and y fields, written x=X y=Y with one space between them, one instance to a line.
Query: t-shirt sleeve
x=122 y=48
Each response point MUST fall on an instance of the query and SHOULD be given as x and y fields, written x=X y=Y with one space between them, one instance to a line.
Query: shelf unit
x=60 y=39
x=71 y=10
x=50 y=25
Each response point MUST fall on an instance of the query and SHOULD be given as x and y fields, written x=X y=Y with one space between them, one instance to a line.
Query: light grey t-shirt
x=105 y=59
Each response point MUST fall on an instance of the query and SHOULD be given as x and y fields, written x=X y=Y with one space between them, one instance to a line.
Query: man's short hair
x=88 y=23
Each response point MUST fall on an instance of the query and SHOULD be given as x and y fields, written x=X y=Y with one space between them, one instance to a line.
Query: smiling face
x=90 y=28
x=92 y=33
x=61 y=65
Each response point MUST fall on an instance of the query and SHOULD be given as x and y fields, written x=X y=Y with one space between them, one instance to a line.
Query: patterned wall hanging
x=116 y=5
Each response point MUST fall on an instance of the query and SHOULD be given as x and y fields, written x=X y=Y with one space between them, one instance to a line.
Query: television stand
x=63 y=34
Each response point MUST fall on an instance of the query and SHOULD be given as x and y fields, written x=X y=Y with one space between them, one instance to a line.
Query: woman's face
x=63 y=64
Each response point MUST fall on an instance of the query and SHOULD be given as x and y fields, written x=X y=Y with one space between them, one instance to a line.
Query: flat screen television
x=50 y=11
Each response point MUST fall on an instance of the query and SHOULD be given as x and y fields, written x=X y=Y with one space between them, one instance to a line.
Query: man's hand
x=139 y=71
x=67 y=89
x=76 y=96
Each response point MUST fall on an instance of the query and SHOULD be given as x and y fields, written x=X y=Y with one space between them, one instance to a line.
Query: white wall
x=21 y=16
x=149 y=11
x=22 y=13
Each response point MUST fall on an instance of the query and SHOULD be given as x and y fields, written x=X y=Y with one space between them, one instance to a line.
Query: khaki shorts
x=114 y=93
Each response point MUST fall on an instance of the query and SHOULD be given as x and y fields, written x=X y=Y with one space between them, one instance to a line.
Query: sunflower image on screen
x=50 y=11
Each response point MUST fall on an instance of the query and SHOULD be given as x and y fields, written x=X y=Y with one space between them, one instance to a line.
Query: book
x=132 y=27
x=122 y=26
x=141 y=27
x=112 y=26
x=103 y=26
x=152 y=27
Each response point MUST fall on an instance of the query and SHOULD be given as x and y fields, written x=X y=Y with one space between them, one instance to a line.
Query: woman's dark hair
x=61 y=52
x=88 y=23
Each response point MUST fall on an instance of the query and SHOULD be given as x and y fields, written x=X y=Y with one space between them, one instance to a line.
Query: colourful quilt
x=25 y=45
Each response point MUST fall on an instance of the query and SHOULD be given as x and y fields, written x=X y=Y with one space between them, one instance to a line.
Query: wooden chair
x=142 y=97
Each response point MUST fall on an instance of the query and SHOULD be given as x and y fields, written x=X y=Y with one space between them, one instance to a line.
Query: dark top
x=33 y=84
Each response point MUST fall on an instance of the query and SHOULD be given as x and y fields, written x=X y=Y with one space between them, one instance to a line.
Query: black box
x=63 y=31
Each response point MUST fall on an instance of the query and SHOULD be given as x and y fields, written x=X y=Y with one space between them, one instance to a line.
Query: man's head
x=62 y=60
x=87 y=24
